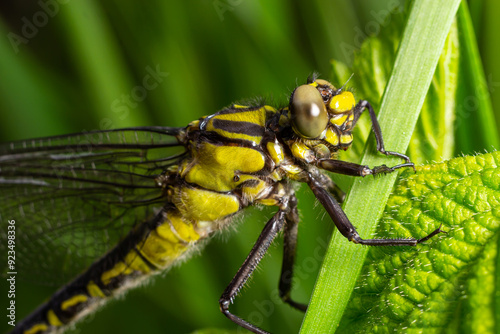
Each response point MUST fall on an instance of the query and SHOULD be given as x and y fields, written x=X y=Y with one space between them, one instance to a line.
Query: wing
x=73 y=197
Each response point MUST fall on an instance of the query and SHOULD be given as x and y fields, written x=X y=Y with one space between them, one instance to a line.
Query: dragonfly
x=133 y=202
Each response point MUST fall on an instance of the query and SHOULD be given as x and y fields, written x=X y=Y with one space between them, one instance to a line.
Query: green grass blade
x=475 y=122
x=428 y=25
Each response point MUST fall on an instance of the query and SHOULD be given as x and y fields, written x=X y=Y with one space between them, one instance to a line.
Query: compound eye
x=308 y=111
x=325 y=83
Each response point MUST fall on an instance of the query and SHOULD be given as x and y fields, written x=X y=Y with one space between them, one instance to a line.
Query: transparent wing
x=73 y=197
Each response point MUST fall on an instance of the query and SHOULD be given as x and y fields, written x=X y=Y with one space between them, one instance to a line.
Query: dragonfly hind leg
x=272 y=228
x=289 y=251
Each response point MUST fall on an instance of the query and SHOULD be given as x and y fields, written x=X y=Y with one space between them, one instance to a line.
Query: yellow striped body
x=214 y=183
x=158 y=249
x=235 y=159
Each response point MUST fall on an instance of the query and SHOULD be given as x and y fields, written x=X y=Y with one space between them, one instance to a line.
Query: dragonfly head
x=322 y=116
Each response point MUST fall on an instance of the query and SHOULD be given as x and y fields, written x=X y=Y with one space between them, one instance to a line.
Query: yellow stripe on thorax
x=214 y=167
x=253 y=117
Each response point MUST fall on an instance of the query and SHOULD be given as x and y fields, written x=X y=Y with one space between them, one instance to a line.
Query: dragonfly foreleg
x=273 y=226
x=345 y=226
x=352 y=169
x=358 y=110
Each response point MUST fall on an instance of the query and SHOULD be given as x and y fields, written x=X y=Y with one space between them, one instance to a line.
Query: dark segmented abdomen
x=150 y=248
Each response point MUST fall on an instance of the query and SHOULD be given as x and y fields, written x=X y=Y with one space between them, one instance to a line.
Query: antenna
x=342 y=88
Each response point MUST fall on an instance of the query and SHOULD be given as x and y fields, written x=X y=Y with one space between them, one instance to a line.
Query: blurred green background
x=71 y=66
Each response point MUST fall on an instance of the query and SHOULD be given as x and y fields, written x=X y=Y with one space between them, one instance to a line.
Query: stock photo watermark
x=31 y=25
x=11 y=272
x=127 y=101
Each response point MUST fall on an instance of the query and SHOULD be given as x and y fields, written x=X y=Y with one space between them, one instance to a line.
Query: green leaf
x=448 y=282
x=428 y=24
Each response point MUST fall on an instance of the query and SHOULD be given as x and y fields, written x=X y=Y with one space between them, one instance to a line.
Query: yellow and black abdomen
x=150 y=248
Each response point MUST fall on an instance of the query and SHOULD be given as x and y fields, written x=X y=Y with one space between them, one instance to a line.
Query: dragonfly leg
x=290 y=246
x=345 y=226
x=273 y=226
x=332 y=187
x=358 y=110
x=352 y=169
